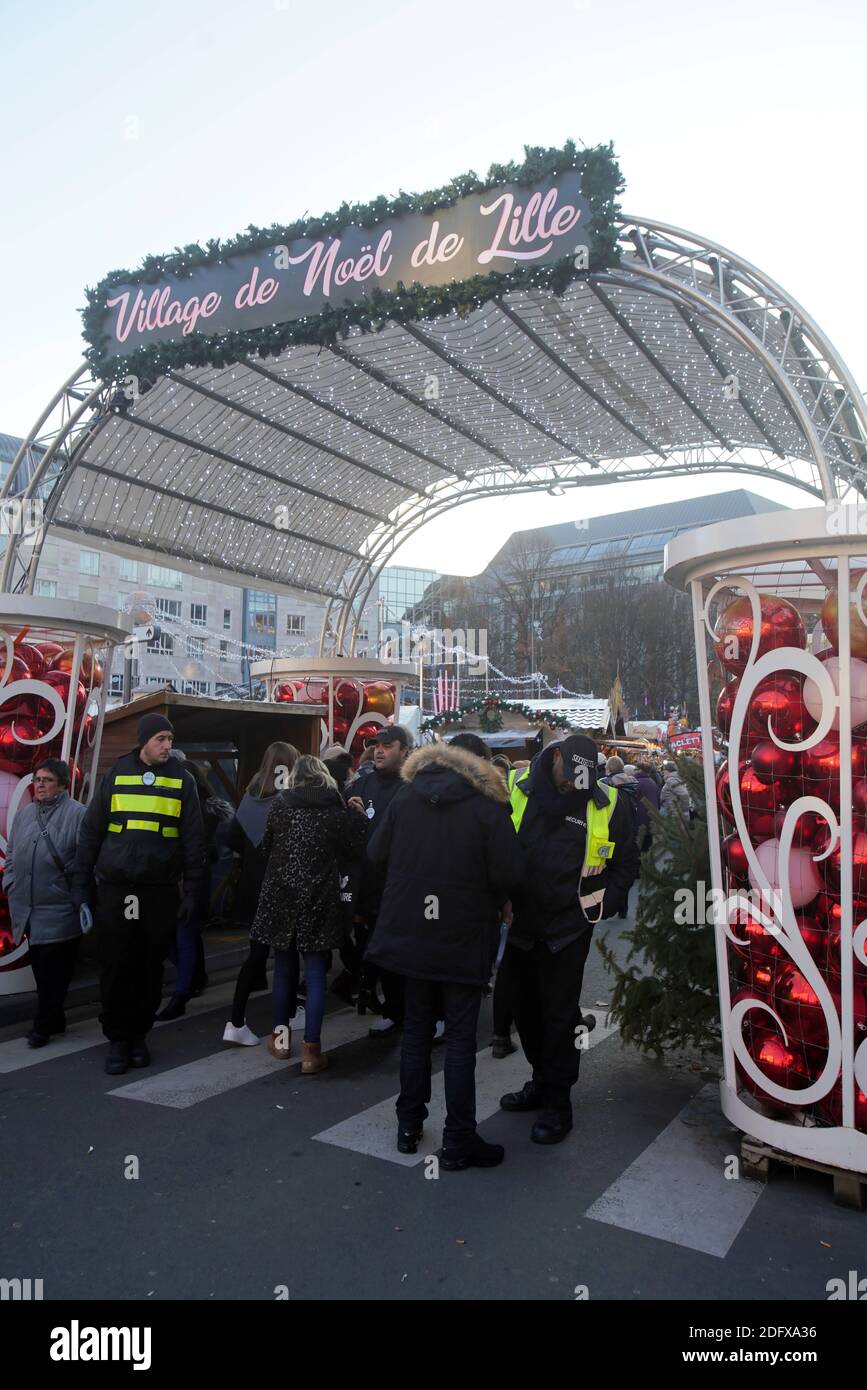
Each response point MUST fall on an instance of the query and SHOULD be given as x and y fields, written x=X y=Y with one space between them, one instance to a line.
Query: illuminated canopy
x=299 y=454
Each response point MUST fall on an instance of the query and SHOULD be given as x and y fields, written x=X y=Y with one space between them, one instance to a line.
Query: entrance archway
x=668 y=357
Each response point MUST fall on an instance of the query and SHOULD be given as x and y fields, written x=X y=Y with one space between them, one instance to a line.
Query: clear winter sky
x=742 y=120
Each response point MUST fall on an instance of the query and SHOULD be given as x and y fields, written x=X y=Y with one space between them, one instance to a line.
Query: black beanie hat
x=151 y=724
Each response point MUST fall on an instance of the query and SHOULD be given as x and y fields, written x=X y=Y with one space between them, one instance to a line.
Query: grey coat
x=40 y=902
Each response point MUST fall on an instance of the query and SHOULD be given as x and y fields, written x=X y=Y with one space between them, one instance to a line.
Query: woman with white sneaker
x=244 y=835
x=309 y=835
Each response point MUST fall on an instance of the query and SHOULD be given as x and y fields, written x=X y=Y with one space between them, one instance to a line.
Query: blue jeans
x=315 y=974
x=284 y=987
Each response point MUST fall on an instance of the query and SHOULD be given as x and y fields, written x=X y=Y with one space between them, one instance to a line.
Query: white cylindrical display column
x=780 y=625
x=54 y=664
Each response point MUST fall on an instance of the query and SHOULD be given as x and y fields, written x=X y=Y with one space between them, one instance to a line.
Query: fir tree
x=668 y=998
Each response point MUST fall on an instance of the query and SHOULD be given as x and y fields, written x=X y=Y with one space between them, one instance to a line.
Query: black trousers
x=425 y=1000
x=53 y=965
x=504 y=1002
x=133 y=930
x=253 y=966
x=547 y=993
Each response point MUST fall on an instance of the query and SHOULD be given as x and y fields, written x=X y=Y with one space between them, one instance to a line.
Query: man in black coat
x=453 y=863
x=372 y=794
x=580 y=859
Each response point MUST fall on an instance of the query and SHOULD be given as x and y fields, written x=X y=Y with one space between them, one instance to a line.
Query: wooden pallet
x=850 y=1189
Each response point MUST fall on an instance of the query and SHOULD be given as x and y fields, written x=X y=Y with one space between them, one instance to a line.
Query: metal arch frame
x=706 y=282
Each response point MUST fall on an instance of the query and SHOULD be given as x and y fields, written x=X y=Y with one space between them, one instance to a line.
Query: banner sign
x=505 y=229
x=688 y=740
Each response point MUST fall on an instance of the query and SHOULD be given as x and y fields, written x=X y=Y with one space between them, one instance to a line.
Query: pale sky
x=133 y=128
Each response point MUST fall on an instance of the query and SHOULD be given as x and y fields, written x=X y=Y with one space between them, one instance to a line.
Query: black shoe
x=408 y=1139
x=35 y=1039
x=551 y=1127
x=386 y=1028
x=368 y=1002
x=175 y=1008
x=139 y=1055
x=528 y=1098
x=476 y=1154
x=502 y=1046
x=589 y=1021
x=117 y=1060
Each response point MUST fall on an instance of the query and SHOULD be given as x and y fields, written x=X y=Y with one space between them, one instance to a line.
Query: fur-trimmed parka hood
x=442 y=773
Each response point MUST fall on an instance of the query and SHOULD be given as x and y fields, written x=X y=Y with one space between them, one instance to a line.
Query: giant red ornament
x=285 y=694
x=798 y=1006
x=60 y=682
x=91 y=671
x=778 y=701
x=33 y=658
x=760 y=944
x=821 y=940
x=830 y=867
x=18 y=671
x=771 y=763
x=735 y=857
x=831 y=1108
x=781 y=626
x=818 y=771
x=16 y=757
x=783 y=1063
x=725 y=705
x=857 y=630
x=763 y=803
x=347 y=699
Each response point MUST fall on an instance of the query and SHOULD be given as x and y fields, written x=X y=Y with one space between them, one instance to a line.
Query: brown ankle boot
x=312 y=1060
x=280 y=1044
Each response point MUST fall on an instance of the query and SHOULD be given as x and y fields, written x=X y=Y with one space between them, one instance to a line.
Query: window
x=224 y=651
x=294 y=625
x=263 y=622
x=196 y=688
x=129 y=570
x=163 y=645
x=195 y=648
x=654 y=541
x=199 y=614
x=116 y=686
x=88 y=562
x=169 y=608
x=45 y=588
x=598 y=549
x=227 y=619
x=362 y=633
x=88 y=593
x=50 y=554
x=163 y=578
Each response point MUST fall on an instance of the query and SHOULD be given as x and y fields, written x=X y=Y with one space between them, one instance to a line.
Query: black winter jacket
x=453 y=861
x=377 y=792
x=140 y=856
x=553 y=838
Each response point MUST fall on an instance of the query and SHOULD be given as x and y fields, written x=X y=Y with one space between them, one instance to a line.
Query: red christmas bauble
x=786 y=1064
x=724 y=706
x=760 y=944
x=91 y=666
x=762 y=976
x=49 y=651
x=818 y=771
x=33 y=658
x=778 y=701
x=798 y=1006
x=808 y=827
x=60 y=681
x=857 y=630
x=735 y=857
x=284 y=694
x=347 y=699
x=16 y=757
x=368 y=730
x=340 y=728
x=723 y=788
x=781 y=626
x=18 y=671
x=771 y=763
x=763 y=803
x=821 y=940
x=830 y=868
x=831 y=1108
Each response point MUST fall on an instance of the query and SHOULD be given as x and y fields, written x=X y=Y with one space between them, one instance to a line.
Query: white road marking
x=181 y=1087
x=677 y=1191
x=15 y=1054
x=373 y=1131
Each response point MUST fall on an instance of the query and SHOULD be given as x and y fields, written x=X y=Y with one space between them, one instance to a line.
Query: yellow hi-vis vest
x=599 y=848
x=153 y=805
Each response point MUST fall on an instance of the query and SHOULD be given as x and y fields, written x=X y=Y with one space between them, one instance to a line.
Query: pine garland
x=671 y=1000
x=492 y=707
x=601 y=181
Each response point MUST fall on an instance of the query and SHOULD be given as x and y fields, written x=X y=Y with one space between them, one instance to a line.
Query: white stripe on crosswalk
x=372 y=1132
x=15 y=1054
x=677 y=1190
x=181 y=1087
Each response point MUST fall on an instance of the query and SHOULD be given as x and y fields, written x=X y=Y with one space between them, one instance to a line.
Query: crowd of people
x=430 y=871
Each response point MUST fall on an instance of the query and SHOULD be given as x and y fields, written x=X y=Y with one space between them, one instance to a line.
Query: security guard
x=580 y=859
x=142 y=834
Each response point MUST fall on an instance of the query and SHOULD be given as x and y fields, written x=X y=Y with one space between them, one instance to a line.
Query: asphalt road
x=235 y=1196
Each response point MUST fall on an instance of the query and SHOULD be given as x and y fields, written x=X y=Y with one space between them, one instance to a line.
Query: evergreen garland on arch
x=491 y=708
x=601 y=182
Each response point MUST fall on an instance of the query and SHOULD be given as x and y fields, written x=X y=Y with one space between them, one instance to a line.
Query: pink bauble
x=857 y=688
x=804 y=881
